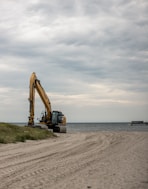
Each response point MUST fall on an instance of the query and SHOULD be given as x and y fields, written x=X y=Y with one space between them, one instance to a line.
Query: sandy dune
x=98 y=160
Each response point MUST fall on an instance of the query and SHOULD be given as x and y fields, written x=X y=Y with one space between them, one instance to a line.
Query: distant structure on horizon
x=138 y=123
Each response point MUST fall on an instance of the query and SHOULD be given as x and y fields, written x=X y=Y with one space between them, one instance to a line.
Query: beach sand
x=96 y=160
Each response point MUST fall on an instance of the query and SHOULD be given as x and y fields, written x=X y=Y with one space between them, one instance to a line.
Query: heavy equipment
x=54 y=120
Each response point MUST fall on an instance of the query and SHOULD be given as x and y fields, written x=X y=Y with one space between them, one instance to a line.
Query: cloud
x=86 y=54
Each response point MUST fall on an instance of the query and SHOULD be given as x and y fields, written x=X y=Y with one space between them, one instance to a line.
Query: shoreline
x=96 y=160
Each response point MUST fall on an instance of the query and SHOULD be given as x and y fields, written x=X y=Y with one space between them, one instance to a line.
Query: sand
x=96 y=160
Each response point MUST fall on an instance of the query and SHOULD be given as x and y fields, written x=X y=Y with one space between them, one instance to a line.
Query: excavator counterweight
x=51 y=119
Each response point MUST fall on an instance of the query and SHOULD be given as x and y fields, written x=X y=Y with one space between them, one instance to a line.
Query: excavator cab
x=58 y=118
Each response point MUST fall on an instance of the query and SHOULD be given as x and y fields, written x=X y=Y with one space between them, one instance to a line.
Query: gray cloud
x=79 y=49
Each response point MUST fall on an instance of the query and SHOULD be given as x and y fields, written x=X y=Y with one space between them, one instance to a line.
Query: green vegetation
x=12 y=133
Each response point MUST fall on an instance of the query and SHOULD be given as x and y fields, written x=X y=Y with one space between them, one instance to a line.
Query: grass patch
x=12 y=133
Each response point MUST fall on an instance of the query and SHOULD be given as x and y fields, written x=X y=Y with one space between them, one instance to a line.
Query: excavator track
x=60 y=129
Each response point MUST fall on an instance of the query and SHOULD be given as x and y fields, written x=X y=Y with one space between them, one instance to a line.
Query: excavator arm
x=31 y=99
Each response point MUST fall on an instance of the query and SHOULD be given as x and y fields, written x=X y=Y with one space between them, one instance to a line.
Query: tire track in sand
x=70 y=161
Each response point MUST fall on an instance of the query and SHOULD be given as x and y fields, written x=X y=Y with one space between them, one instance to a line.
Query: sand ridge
x=97 y=160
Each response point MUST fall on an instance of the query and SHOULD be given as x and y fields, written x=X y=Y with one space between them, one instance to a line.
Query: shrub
x=12 y=133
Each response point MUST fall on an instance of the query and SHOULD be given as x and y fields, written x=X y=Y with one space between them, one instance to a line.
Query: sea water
x=92 y=127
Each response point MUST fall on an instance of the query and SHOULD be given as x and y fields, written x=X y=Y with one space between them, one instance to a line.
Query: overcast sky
x=91 y=57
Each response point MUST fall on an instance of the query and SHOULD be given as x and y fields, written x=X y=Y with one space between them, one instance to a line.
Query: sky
x=91 y=57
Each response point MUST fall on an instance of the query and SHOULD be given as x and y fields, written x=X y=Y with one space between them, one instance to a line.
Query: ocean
x=92 y=127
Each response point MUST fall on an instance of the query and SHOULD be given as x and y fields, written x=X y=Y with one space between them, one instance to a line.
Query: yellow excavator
x=54 y=120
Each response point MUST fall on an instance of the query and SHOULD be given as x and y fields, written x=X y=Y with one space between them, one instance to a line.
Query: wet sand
x=97 y=160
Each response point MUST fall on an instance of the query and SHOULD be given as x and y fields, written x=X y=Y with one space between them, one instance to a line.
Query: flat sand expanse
x=96 y=160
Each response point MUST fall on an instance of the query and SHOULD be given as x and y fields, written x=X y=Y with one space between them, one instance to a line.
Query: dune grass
x=12 y=133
